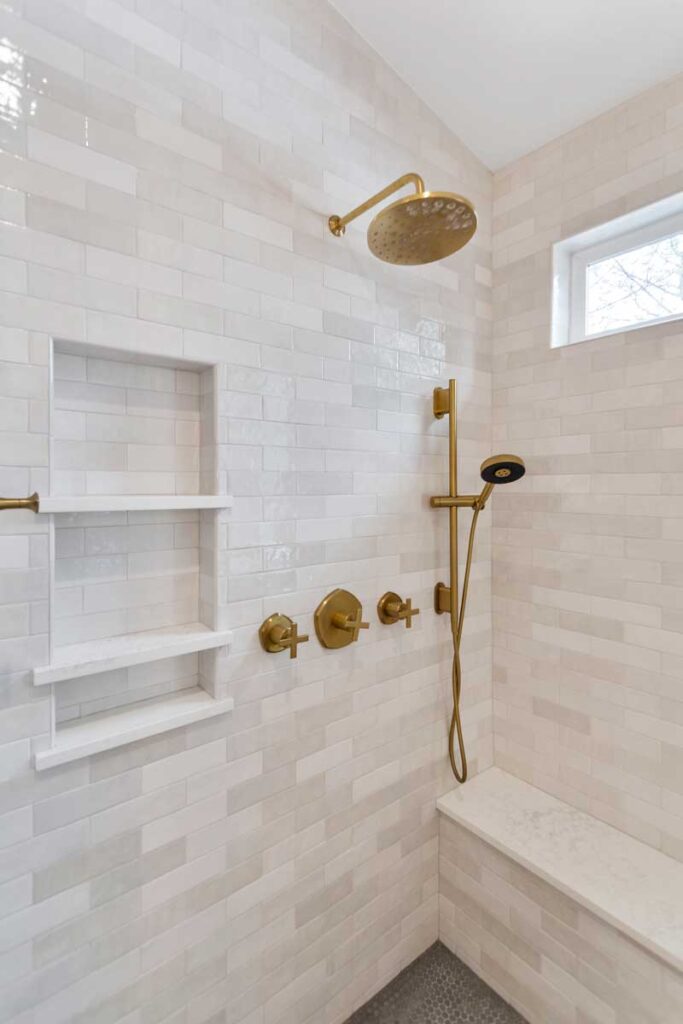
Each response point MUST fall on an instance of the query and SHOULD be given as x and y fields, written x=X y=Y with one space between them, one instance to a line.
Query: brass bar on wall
x=453 y=509
x=32 y=502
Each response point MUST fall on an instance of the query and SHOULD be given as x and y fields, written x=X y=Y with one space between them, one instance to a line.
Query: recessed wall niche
x=130 y=427
x=136 y=629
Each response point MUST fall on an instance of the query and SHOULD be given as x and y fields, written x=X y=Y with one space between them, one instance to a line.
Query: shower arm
x=337 y=224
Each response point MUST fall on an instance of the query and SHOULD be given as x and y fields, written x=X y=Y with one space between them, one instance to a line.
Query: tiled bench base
x=541 y=950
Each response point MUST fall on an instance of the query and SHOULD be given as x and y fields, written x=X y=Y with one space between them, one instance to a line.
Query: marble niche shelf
x=86 y=659
x=110 y=729
x=159 y=420
x=132 y=502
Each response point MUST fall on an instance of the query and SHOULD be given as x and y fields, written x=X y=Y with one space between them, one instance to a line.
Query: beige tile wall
x=168 y=168
x=587 y=555
x=550 y=958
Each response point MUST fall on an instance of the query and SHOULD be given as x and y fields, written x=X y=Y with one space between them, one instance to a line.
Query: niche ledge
x=133 y=502
x=85 y=659
x=110 y=729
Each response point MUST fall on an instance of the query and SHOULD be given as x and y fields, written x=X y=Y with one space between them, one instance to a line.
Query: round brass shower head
x=422 y=228
x=502 y=469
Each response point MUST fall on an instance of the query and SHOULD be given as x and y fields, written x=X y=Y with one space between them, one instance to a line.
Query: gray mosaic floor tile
x=437 y=988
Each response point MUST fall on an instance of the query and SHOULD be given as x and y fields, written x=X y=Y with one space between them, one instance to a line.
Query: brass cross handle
x=391 y=608
x=32 y=502
x=338 y=619
x=279 y=633
x=351 y=623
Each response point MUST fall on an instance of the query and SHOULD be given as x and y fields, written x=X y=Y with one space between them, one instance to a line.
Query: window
x=620 y=276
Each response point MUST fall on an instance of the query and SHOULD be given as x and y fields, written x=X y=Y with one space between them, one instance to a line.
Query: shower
x=417 y=229
x=498 y=469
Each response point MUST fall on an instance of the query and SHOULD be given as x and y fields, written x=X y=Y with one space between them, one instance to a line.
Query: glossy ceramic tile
x=167 y=172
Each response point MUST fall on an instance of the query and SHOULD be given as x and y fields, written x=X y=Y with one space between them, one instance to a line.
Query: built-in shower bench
x=631 y=886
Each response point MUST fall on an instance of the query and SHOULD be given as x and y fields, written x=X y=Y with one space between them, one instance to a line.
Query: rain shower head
x=502 y=469
x=422 y=228
x=417 y=229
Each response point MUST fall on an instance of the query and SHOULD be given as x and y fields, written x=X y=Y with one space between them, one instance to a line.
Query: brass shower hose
x=456 y=676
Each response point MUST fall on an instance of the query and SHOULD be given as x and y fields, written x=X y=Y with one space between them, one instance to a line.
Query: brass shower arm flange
x=337 y=224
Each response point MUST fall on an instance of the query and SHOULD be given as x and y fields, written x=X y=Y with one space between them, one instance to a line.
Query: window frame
x=573 y=256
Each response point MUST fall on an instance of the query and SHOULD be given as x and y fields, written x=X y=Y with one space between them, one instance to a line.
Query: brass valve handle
x=338 y=619
x=350 y=623
x=279 y=633
x=290 y=638
x=391 y=608
x=32 y=502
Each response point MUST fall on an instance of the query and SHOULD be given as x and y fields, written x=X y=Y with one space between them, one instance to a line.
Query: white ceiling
x=509 y=75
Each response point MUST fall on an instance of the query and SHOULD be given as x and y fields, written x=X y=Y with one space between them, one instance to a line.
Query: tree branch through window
x=634 y=287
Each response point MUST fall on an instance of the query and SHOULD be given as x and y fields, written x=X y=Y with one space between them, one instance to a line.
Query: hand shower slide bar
x=499 y=469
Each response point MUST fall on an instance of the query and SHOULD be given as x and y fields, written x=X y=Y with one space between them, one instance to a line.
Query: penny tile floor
x=437 y=988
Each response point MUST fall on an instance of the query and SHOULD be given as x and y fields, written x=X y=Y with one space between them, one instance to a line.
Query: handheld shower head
x=499 y=469
x=502 y=469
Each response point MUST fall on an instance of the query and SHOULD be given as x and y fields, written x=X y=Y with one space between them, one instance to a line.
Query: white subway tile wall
x=89 y=695
x=124 y=427
x=124 y=572
x=168 y=167
x=587 y=552
x=545 y=954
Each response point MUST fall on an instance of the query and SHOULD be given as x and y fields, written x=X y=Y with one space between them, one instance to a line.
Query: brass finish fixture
x=417 y=229
x=32 y=502
x=502 y=469
x=280 y=633
x=461 y=501
x=337 y=224
x=391 y=608
x=339 y=619
x=442 y=598
x=440 y=402
x=499 y=469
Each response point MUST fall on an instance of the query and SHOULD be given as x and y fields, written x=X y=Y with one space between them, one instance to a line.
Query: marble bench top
x=630 y=885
